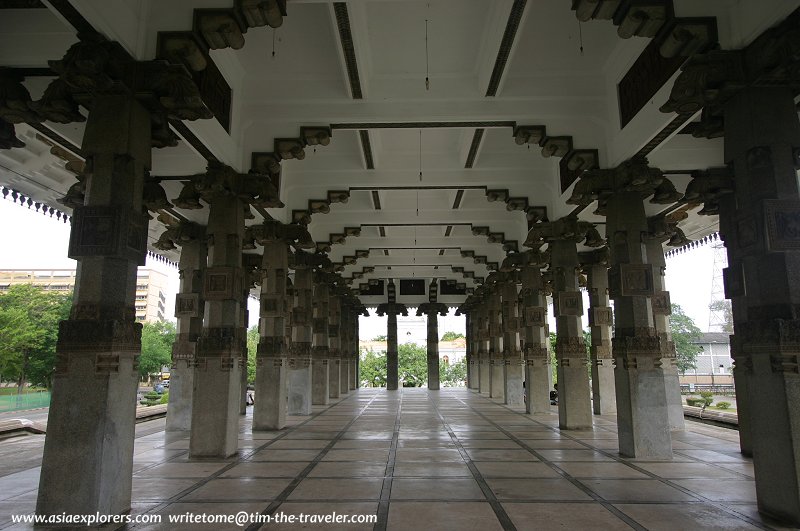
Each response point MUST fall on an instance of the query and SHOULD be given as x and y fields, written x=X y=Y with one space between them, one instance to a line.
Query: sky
x=31 y=240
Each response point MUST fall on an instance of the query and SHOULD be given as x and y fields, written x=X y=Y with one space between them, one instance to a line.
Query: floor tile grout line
x=597 y=498
x=665 y=481
x=386 y=490
x=287 y=491
x=240 y=459
x=499 y=511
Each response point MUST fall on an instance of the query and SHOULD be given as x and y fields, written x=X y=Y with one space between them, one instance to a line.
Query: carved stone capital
x=567 y=228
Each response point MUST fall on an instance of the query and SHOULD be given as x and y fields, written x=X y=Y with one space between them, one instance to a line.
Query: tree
x=413 y=364
x=451 y=336
x=372 y=369
x=29 y=318
x=684 y=334
x=252 y=347
x=453 y=374
x=157 y=340
x=724 y=306
x=379 y=339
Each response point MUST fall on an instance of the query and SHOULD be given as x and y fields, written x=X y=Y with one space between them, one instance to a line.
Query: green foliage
x=378 y=339
x=723 y=405
x=684 y=333
x=372 y=369
x=252 y=345
x=707 y=397
x=29 y=318
x=164 y=398
x=157 y=340
x=724 y=306
x=453 y=374
x=451 y=336
x=695 y=401
x=413 y=365
x=150 y=399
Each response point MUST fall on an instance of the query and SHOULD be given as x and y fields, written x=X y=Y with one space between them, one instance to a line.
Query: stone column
x=347 y=346
x=762 y=141
x=514 y=372
x=642 y=417
x=189 y=313
x=334 y=347
x=661 y=312
x=391 y=309
x=604 y=398
x=538 y=370
x=217 y=378
x=469 y=356
x=574 y=411
x=433 y=351
x=88 y=452
x=269 y=412
x=496 y=361
x=354 y=357
x=484 y=361
x=320 y=378
x=299 y=378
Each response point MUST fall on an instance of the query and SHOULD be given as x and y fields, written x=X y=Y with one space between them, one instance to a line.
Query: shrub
x=164 y=399
x=150 y=399
x=695 y=401
x=707 y=397
x=723 y=405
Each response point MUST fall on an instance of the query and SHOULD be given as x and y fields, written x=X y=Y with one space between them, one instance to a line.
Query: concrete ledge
x=13 y=427
x=150 y=412
x=720 y=418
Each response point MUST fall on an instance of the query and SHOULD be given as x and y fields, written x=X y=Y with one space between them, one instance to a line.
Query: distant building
x=714 y=361
x=151 y=287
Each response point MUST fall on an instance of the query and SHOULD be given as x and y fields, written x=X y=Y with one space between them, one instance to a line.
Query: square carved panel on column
x=631 y=280
x=535 y=316
x=272 y=306
x=188 y=305
x=783 y=224
x=568 y=303
x=600 y=316
x=733 y=280
x=108 y=231
x=661 y=303
x=222 y=283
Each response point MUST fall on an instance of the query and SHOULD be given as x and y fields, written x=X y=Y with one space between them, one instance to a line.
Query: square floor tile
x=182 y=470
x=442 y=516
x=337 y=489
x=738 y=490
x=536 y=489
x=600 y=470
x=238 y=489
x=436 y=469
x=567 y=516
x=683 y=516
x=344 y=469
x=510 y=469
x=501 y=455
x=265 y=469
x=436 y=489
x=636 y=490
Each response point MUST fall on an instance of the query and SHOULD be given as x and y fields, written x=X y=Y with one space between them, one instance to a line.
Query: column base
x=269 y=411
x=485 y=378
x=179 y=408
x=513 y=392
x=672 y=389
x=87 y=465
x=574 y=411
x=334 y=378
x=497 y=379
x=300 y=385
x=320 y=392
x=537 y=386
x=215 y=408
x=642 y=416
x=604 y=397
x=344 y=373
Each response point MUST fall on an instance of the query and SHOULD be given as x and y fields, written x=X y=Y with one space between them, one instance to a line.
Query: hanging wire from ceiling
x=580 y=36
x=274 y=31
x=427 y=61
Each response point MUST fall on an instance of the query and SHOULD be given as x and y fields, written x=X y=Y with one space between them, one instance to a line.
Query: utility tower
x=716 y=316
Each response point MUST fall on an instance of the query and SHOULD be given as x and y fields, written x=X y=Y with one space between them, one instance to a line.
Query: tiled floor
x=442 y=460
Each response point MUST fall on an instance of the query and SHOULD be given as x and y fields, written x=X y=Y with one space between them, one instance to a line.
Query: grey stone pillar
x=320 y=379
x=269 y=412
x=334 y=347
x=574 y=411
x=88 y=452
x=391 y=309
x=661 y=312
x=468 y=357
x=300 y=379
x=496 y=361
x=217 y=377
x=347 y=347
x=538 y=370
x=189 y=313
x=354 y=357
x=484 y=361
x=514 y=369
x=642 y=417
x=604 y=398
x=433 y=351
x=762 y=137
